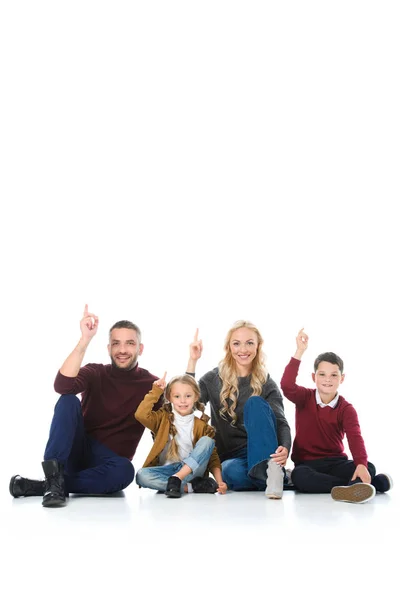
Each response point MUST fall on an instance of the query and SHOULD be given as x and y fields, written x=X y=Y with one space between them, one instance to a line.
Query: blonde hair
x=228 y=374
x=173 y=453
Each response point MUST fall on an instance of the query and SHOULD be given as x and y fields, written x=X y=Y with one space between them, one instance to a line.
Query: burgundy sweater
x=110 y=397
x=320 y=430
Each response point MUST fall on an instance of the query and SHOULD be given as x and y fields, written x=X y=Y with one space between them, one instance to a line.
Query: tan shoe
x=356 y=493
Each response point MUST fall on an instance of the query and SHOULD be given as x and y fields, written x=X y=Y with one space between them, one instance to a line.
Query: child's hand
x=280 y=456
x=363 y=473
x=196 y=347
x=222 y=487
x=301 y=342
x=161 y=383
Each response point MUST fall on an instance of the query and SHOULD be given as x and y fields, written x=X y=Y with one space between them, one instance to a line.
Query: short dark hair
x=329 y=357
x=127 y=325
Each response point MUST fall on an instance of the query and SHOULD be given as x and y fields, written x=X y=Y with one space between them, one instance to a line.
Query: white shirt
x=184 y=438
x=332 y=403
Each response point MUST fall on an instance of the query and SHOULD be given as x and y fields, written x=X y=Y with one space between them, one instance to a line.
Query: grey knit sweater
x=228 y=439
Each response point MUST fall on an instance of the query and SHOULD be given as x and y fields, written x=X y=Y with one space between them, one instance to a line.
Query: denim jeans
x=156 y=478
x=90 y=467
x=246 y=470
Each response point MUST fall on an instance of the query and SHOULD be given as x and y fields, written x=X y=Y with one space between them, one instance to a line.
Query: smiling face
x=243 y=347
x=182 y=397
x=327 y=379
x=124 y=348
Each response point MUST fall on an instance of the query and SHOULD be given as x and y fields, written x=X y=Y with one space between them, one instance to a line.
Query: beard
x=127 y=366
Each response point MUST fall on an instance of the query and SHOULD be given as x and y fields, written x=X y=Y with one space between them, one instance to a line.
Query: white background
x=185 y=165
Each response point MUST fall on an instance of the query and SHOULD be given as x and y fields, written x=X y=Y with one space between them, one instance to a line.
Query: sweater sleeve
x=204 y=395
x=293 y=392
x=275 y=400
x=145 y=414
x=75 y=385
x=352 y=430
x=214 y=462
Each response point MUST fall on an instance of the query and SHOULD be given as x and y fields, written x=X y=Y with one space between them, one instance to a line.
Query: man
x=92 y=442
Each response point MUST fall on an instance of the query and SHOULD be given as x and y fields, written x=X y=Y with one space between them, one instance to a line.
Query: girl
x=183 y=448
x=253 y=436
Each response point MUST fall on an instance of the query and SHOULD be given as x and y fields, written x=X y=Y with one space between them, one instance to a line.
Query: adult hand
x=222 y=487
x=161 y=383
x=363 y=473
x=196 y=347
x=280 y=456
x=89 y=325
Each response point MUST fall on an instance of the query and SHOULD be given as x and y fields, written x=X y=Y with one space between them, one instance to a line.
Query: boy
x=323 y=417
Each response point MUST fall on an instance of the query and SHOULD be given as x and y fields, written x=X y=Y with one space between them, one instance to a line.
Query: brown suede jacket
x=157 y=421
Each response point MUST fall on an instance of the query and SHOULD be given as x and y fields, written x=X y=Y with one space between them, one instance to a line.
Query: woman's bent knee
x=256 y=403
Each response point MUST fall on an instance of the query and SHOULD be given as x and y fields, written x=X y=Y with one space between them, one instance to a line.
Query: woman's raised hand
x=196 y=347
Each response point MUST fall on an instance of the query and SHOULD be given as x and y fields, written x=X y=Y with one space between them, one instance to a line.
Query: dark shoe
x=54 y=491
x=382 y=482
x=287 y=480
x=173 y=487
x=356 y=493
x=20 y=486
x=204 y=485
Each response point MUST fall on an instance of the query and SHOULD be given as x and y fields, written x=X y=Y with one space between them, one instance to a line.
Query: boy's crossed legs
x=333 y=475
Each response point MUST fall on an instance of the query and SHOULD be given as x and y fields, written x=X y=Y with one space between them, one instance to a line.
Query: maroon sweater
x=110 y=397
x=320 y=430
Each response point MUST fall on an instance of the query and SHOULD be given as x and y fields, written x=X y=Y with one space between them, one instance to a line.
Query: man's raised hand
x=89 y=324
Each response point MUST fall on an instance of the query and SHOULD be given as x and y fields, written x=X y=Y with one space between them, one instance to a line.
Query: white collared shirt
x=332 y=403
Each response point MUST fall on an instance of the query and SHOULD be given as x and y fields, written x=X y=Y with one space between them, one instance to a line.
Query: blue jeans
x=89 y=466
x=156 y=478
x=247 y=469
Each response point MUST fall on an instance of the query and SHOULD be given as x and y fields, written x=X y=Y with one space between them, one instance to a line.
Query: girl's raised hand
x=196 y=347
x=161 y=383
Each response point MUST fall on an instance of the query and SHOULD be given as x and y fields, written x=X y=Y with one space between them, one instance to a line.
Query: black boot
x=204 y=485
x=173 y=487
x=54 y=492
x=20 y=486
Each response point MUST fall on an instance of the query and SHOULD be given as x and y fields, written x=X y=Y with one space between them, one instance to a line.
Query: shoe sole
x=10 y=487
x=53 y=503
x=356 y=494
x=173 y=494
x=273 y=496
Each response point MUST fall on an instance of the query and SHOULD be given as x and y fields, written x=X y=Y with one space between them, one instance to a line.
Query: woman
x=252 y=434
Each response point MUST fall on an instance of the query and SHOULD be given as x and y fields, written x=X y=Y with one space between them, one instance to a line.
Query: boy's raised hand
x=161 y=383
x=301 y=344
x=196 y=347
